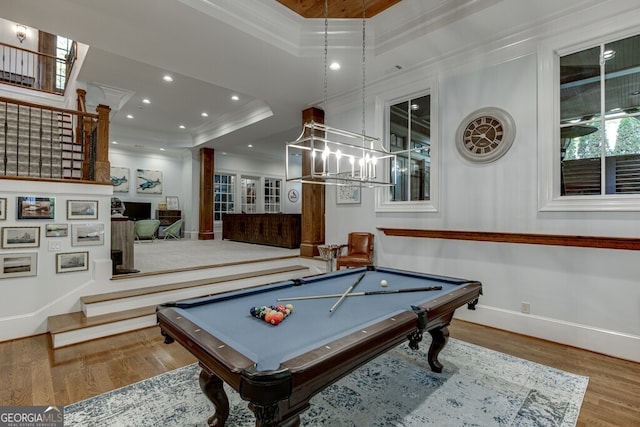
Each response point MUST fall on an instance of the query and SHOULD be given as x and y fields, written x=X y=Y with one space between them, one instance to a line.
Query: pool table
x=279 y=368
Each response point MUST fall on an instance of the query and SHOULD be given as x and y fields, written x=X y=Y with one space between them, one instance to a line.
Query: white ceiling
x=270 y=57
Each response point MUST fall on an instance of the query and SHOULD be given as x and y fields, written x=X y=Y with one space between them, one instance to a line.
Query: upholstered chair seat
x=359 y=251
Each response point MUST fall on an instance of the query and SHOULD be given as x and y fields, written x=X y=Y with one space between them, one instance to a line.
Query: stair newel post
x=102 y=165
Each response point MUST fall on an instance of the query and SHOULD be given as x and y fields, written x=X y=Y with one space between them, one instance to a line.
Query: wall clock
x=485 y=135
x=293 y=195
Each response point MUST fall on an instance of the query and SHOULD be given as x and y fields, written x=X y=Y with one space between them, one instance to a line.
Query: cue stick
x=347 y=292
x=360 y=294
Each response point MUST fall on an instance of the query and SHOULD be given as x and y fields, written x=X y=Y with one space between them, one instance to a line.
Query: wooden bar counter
x=281 y=230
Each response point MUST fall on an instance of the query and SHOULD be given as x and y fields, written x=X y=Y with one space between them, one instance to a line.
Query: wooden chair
x=146 y=229
x=173 y=230
x=359 y=251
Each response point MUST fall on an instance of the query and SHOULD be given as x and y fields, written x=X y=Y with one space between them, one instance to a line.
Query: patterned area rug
x=478 y=387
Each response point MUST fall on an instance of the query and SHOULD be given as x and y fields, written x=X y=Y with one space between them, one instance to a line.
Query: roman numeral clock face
x=485 y=135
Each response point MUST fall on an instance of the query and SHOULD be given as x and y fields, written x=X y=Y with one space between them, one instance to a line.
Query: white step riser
x=107 y=307
x=86 y=334
x=214 y=272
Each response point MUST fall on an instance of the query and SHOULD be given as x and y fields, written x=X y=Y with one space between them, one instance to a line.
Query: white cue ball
x=383 y=282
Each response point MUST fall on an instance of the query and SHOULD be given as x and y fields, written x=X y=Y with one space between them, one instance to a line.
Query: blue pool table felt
x=311 y=325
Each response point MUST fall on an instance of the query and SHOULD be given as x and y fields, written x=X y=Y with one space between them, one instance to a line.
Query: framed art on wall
x=149 y=181
x=91 y=234
x=72 y=261
x=82 y=209
x=56 y=230
x=3 y=208
x=119 y=177
x=348 y=193
x=18 y=265
x=20 y=237
x=173 y=203
x=36 y=207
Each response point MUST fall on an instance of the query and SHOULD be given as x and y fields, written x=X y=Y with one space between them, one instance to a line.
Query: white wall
x=181 y=178
x=255 y=167
x=583 y=297
x=27 y=301
x=8 y=36
x=171 y=166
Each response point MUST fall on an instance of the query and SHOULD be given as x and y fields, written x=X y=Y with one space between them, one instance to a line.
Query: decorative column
x=312 y=198
x=102 y=165
x=206 y=194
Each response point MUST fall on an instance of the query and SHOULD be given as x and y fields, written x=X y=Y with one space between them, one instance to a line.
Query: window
x=600 y=119
x=63 y=46
x=409 y=129
x=411 y=134
x=272 y=195
x=224 y=188
x=249 y=194
x=588 y=112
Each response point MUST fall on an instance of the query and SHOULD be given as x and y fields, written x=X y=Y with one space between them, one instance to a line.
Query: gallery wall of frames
x=77 y=223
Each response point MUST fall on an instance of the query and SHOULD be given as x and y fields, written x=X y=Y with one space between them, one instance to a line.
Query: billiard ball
x=383 y=282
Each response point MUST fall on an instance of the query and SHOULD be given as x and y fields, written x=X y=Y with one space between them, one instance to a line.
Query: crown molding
x=250 y=113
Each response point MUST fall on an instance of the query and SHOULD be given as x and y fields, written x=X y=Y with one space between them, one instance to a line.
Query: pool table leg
x=212 y=387
x=439 y=336
x=266 y=417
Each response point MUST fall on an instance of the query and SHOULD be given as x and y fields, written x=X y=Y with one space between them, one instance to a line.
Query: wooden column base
x=309 y=249
x=205 y=235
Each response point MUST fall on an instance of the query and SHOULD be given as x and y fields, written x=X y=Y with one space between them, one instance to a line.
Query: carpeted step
x=126 y=310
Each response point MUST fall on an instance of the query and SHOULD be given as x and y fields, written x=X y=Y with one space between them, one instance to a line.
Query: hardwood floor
x=31 y=373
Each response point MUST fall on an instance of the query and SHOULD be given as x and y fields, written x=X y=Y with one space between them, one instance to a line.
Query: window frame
x=245 y=205
x=268 y=194
x=383 y=103
x=232 y=193
x=549 y=174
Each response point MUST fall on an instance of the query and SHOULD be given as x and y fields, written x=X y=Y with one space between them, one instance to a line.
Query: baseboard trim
x=81 y=335
x=610 y=343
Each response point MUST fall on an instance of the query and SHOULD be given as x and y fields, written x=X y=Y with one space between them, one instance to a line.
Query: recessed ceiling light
x=129 y=116
x=334 y=66
x=146 y=101
x=235 y=98
x=204 y=114
x=250 y=145
x=161 y=149
x=114 y=142
x=167 y=78
x=181 y=126
x=224 y=153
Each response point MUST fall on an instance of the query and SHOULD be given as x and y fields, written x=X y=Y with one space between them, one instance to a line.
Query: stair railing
x=44 y=142
x=35 y=70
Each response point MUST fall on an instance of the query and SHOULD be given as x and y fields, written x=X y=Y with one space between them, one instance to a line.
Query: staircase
x=132 y=305
x=39 y=143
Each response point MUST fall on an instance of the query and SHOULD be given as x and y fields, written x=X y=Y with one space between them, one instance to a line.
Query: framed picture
x=149 y=182
x=72 y=261
x=120 y=179
x=91 y=234
x=173 y=203
x=18 y=265
x=36 y=207
x=20 y=237
x=3 y=208
x=82 y=209
x=348 y=193
x=56 y=230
